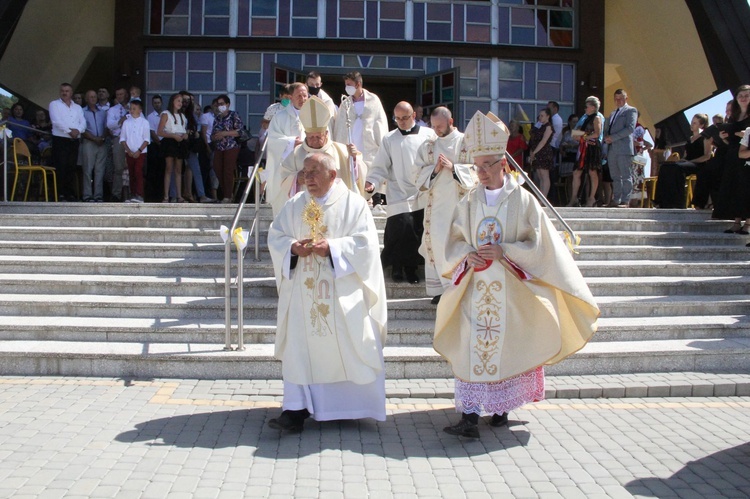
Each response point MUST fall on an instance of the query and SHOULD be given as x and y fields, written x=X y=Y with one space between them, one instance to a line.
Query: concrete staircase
x=137 y=291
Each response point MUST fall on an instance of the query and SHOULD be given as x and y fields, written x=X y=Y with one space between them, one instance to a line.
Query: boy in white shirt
x=134 y=138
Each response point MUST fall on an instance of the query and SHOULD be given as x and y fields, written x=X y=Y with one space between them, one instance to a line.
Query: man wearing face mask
x=445 y=175
x=315 y=117
x=365 y=112
x=285 y=132
x=315 y=87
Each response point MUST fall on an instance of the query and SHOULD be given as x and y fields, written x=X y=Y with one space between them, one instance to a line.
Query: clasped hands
x=442 y=163
x=305 y=247
x=483 y=254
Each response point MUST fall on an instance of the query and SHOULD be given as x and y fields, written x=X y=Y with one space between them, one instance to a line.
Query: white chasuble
x=530 y=308
x=438 y=195
x=331 y=318
x=368 y=122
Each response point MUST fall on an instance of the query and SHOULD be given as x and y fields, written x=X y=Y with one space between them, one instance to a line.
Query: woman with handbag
x=227 y=128
x=589 y=159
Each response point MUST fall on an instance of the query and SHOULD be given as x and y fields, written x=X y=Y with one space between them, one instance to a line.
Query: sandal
x=181 y=200
x=165 y=200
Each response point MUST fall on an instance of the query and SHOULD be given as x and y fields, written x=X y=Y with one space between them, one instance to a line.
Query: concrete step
x=418 y=332
x=127 y=285
x=636 y=268
x=672 y=238
x=114 y=221
x=707 y=252
x=212 y=307
x=214 y=266
x=114 y=249
x=265 y=210
x=195 y=360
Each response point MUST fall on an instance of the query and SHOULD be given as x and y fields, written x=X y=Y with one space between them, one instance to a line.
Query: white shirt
x=65 y=118
x=135 y=132
x=114 y=114
x=557 y=127
x=153 y=120
x=207 y=123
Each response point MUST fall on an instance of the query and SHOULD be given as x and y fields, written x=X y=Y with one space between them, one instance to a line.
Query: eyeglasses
x=309 y=174
x=487 y=168
x=402 y=118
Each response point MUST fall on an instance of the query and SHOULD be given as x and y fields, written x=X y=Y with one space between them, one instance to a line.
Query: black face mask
x=313 y=90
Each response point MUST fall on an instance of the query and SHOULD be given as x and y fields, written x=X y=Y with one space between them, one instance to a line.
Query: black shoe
x=397 y=275
x=411 y=276
x=499 y=419
x=291 y=421
x=435 y=299
x=463 y=428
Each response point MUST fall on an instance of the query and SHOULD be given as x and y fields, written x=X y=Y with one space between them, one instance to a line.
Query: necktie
x=614 y=117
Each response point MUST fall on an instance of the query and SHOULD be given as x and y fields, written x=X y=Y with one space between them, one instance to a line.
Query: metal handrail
x=252 y=179
x=571 y=237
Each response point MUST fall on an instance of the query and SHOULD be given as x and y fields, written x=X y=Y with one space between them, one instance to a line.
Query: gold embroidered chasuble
x=329 y=328
x=294 y=163
x=530 y=309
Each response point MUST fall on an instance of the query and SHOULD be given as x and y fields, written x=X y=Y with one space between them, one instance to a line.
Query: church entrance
x=430 y=91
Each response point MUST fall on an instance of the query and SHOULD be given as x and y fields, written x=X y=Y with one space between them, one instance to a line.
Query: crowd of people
x=454 y=206
x=116 y=151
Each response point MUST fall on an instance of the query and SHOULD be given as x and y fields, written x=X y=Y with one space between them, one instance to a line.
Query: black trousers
x=401 y=240
x=65 y=159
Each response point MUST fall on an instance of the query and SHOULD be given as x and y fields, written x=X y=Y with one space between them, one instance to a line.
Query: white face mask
x=223 y=109
x=350 y=90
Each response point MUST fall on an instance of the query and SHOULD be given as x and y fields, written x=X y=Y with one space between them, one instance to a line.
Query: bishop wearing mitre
x=332 y=313
x=351 y=169
x=516 y=299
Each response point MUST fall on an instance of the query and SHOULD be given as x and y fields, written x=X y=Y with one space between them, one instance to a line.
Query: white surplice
x=284 y=129
x=395 y=166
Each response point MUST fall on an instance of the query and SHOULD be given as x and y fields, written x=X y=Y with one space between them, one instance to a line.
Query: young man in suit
x=618 y=135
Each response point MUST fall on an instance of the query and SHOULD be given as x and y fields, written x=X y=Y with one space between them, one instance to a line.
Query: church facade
x=506 y=56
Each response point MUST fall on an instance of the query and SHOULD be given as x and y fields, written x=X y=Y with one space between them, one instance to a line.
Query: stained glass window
x=189 y=17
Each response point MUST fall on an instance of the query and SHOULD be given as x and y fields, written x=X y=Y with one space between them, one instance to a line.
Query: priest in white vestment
x=332 y=304
x=394 y=165
x=517 y=300
x=364 y=112
x=350 y=167
x=445 y=176
x=285 y=132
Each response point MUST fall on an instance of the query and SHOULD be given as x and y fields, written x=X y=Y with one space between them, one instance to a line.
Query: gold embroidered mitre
x=486 y=135
x=314 y=115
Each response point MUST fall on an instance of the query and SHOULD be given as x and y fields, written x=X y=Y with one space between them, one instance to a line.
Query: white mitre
x=315 y=115
x=486 y=135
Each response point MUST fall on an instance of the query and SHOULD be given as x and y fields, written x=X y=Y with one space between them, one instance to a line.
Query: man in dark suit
x=618 y=134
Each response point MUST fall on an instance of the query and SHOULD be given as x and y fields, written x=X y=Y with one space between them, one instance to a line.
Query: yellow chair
x=648 y=193
x=689 y=186
x=21 y=152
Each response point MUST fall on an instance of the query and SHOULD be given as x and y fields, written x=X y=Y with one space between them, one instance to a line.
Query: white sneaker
x=128 y=201
x=137 y=199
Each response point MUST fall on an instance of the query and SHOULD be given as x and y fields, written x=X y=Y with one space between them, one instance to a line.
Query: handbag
x=244 y=136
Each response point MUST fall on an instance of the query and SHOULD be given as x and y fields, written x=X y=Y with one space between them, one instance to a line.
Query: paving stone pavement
x=92 y=437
